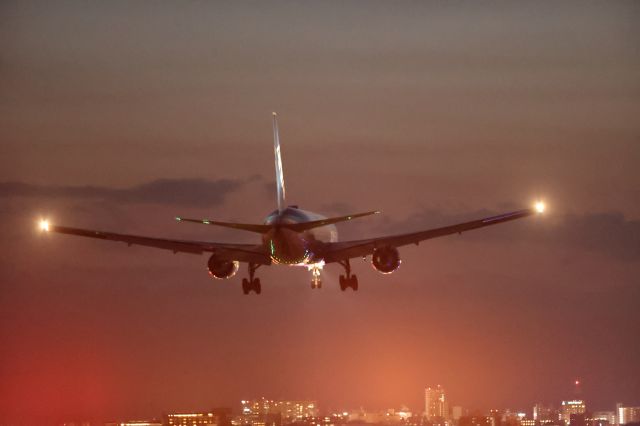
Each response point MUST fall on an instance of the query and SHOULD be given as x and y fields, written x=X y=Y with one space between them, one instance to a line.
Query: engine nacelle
x=386 y=259
x=222 y=269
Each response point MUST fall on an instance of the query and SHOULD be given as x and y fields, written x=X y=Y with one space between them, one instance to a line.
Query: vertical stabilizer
x=279 y=173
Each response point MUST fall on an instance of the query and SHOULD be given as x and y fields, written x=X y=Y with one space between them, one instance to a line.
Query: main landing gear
x=251 y=284
x=348 y=280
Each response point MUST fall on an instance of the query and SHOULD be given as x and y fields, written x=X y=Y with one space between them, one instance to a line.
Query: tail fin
x=279 y=172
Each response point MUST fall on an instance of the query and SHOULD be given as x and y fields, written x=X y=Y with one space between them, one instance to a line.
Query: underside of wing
x=340 y=251
x=253 y=253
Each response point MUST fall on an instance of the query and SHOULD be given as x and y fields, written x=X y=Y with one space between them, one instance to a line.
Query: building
x=257 y=420
x=506 y=417
x=608 y=417
x=578 y=420
x=544 y=414
x=296 y=410
x=457 y=412
x=191 y=419
x=435 y=404
x=475 y=421
x=136 y=423
x=288 y=410
x=571 y=407
x=627 y=414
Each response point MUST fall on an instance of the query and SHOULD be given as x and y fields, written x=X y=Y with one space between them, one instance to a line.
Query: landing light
x=540 y=207
x=44 y=225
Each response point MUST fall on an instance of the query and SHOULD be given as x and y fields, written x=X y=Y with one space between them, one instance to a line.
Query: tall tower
x=435 y=403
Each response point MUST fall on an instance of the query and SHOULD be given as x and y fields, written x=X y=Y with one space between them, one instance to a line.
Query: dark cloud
x=183 y=192
x=338 y=208
x=270 y=187
x=609 y=232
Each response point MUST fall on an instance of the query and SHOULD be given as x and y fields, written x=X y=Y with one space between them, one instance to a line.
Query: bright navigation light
x=44 y=225
x=540 y=207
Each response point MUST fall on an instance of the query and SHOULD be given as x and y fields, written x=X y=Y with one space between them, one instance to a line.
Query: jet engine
x=386 y=259
x=222 y=269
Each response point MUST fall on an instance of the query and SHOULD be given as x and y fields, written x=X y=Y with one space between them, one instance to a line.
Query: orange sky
x=429 y=112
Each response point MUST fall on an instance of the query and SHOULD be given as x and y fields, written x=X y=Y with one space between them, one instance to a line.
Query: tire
x=343 y=284
x=257 y=287
x=354 y=282
x=245 y=286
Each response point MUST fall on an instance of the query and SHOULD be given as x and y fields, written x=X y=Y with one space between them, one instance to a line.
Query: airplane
x=294 y=237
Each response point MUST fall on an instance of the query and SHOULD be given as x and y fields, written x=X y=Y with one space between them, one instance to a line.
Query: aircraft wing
x=339 y=251
x=253 y=253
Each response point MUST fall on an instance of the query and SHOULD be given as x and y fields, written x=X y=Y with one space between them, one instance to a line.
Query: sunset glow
x=504 y=133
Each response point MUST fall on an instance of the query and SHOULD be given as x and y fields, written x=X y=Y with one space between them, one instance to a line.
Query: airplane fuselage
x=289 y=247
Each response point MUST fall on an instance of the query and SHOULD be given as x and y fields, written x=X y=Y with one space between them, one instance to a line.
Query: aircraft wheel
x=354 y=282
x=245 y=286
x=257 y=287
x=343 y=284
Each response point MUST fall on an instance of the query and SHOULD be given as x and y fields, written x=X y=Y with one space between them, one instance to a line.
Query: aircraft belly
x=288 y=247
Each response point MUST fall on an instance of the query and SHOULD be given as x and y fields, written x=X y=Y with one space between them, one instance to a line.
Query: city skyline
x=261 y=412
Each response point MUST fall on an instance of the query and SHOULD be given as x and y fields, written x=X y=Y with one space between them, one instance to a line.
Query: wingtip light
x=44 y=225
x=540 y=207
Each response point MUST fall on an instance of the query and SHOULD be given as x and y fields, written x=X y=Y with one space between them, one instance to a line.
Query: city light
x=269 y=412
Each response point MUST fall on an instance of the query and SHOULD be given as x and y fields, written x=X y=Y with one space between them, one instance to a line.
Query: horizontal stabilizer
x=260 y=229
x=299 y=227
x=263 y=229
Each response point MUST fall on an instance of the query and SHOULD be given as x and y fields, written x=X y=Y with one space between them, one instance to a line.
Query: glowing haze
x=123 y=115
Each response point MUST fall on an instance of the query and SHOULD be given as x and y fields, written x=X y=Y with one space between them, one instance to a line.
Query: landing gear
x=252 y=283
x=316 y=281
x=348 y=281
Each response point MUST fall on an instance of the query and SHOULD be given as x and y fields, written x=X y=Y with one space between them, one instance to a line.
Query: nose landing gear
x=348 y=281
x=316 y=281
x=251 y=284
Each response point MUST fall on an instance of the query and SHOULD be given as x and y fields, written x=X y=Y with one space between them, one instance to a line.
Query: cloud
x=183 y=192
x=270 y=188
x=608 y=232
x=338 y=208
